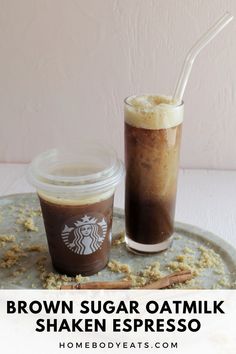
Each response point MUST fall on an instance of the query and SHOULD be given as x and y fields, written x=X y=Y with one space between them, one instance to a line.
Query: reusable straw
x=195 y=50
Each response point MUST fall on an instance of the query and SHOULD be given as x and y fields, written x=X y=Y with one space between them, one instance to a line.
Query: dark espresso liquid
x=152 y=158
x=78 y=235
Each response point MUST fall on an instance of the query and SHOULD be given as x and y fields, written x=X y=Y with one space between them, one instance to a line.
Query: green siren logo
x=85 y=236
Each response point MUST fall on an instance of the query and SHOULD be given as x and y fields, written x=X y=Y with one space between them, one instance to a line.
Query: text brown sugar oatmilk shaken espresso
x=152 y=145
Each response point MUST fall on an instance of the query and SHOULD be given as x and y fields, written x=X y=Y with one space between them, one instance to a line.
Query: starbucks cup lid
x=90 y=169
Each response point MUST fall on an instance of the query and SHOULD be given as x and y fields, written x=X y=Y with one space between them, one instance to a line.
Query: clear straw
x=195 y=50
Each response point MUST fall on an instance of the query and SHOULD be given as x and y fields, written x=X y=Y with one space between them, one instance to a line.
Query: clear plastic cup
x=76 y=192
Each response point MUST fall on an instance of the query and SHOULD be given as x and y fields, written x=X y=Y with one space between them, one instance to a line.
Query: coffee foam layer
x=153 y=112
x=63 y=201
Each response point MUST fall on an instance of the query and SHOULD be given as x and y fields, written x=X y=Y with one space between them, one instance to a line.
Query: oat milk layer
x=153 y=112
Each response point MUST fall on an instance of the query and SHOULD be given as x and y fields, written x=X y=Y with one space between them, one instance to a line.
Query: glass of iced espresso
x=152 y=145
x=76 y=192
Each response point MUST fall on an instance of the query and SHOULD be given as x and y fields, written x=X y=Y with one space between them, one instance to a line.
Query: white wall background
x=66 y=65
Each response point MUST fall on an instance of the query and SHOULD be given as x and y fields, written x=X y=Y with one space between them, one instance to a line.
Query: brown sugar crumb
x=55 y=281
x=52 y=280
x=19 y=271
x=189 y=284
x=188 y=250
x=4 y=239
x=12 y=256
x=28 y=223
x=210 y=259
x=184 y=261
x=41 y=262
x=224 y=282
x=79 y=278
x=138 y=281
x=26 y=211
x=34 y=212
x=182 y=264
x=118 y=239
x=118 y=267
x=36 y=248
x=151 y=272
x=204 y=258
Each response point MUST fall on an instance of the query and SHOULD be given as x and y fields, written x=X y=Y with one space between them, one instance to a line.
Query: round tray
x=212 y=258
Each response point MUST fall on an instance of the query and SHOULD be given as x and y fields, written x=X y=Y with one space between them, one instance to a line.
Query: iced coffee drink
x=152 y=145
x=76 y=192
x=78 y=233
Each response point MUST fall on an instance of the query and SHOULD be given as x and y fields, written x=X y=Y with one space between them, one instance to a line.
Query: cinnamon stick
x=165 y=282
x=174 y=278
x=124 y=284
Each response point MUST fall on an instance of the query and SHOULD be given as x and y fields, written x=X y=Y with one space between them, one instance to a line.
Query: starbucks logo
x=86 y=235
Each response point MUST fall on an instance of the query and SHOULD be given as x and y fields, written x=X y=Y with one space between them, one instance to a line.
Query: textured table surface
x=206 y=198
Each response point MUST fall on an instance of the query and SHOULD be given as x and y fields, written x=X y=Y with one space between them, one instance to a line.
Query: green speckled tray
x=25 y=274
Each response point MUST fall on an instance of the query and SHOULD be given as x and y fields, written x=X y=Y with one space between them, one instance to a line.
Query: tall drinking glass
x=152 y=144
